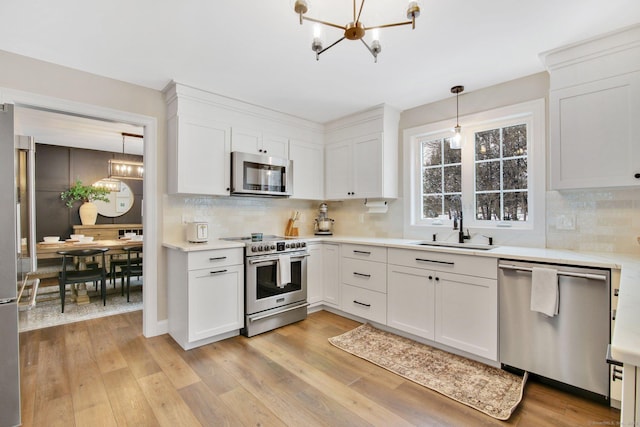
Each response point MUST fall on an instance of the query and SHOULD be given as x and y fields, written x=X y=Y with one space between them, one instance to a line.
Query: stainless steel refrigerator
x=9 y=347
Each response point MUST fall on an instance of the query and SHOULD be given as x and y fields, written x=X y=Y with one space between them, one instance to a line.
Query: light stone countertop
x=625 y=345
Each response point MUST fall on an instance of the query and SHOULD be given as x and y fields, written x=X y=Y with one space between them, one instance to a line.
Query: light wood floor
x=104 y=372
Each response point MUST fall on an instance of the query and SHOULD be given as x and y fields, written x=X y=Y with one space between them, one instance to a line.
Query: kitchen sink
x=470 y=246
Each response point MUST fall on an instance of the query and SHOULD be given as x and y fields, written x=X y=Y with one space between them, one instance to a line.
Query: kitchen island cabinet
x=205 y=295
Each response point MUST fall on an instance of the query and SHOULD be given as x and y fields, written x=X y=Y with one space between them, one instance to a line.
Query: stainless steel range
x=275 y=283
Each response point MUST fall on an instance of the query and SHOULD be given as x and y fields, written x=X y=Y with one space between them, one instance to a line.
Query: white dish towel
x=545 y=297
x=283 y=271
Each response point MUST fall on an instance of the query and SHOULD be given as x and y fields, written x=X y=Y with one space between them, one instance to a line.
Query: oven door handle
x=260 y=261
x=264 y=316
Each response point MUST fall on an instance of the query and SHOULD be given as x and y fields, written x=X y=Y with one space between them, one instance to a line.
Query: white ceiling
x=256 y=51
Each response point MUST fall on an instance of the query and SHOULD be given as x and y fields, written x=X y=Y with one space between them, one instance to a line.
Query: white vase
x=88 y=213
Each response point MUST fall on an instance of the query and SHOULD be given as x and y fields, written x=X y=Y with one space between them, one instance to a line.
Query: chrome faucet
x=461 y=236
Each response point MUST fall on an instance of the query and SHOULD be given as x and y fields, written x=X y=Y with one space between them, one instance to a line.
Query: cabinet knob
x=437 y=279
x=265 y=151
x=637 y=176
x=430 y=277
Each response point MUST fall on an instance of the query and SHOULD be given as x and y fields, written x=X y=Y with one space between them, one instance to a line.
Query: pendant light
x=125 y=169
x=456 y=141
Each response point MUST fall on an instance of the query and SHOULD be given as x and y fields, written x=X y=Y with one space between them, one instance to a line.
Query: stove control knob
x=297 y=244
x=287 y=245
x=303 y=244
x=273 y=247
x=254 y=249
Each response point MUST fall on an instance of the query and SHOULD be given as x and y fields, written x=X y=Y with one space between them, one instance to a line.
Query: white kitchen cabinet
x=331 y=265
x=256 y=142
x=315 y=274
x=630 y=410
x=594 y=105
x=361 y=156
x=448 y=298
x=410 y=300
x=205 y=295
x=466 y=309
x=594 y=130
x=308 y=170
x=363 y=272
x=199 y=157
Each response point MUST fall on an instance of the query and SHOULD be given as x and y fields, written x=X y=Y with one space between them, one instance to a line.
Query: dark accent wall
x=57 y=168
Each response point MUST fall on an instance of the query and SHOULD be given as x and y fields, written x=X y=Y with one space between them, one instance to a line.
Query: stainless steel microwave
x=256 y=175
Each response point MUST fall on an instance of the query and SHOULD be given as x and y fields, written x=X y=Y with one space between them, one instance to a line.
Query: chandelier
x=125 y=169
x=354 y=30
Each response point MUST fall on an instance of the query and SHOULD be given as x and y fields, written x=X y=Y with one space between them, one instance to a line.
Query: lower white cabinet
x=630 y=411
x=315 y=273
x=331 y=279
x=363 y=271
x=467 y=313
x=437 y=303
x=205 y=295
x=410 y=300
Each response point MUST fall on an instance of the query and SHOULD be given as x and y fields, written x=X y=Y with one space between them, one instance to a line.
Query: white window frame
x=531 y=232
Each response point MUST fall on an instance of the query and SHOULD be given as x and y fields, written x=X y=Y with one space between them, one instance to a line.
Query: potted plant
x=87 y=194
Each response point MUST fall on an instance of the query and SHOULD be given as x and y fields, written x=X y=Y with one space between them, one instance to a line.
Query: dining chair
x=92 y=271
x=133 y=266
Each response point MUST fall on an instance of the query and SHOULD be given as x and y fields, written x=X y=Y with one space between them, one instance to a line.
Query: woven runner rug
x=490 y=390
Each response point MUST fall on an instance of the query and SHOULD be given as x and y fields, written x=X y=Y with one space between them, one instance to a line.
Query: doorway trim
x=151 y=326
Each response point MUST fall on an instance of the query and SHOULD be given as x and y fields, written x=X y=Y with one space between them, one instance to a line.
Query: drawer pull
x=616 y=374
x=434 y=261
x=613 y=316
x=616 y=291
x=218 y=272
x=362 y=252
x=361 y=274
x=361 y=303
x=219 y=258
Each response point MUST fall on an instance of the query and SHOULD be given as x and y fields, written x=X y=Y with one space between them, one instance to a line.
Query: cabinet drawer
x=364 y=303
x=215 y=258
x=365 y=274
x=460 y=264
x=369 y=253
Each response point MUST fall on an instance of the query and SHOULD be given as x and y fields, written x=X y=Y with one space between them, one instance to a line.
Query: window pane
x=452 y=205
x=451 y=156
x=514 y=140
x=487 y=144
x=452 y=175
x=432 y=152
x=431 y=206
x=515 y=174
x=488 y=207
x=516 y=206
x=432 y=180
x=488 y=176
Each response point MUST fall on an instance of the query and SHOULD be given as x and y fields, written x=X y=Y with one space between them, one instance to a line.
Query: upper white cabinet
x=199 y=156
x=256 y=142
x=594 y=105
x=203 y=128
x=362 y=155
x=308 y=170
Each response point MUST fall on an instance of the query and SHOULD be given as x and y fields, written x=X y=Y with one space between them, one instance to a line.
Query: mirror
x=120 y=199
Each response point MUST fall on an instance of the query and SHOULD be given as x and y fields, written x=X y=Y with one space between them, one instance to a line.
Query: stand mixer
x=323 y=224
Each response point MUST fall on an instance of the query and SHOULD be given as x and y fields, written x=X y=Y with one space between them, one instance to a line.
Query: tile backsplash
x=606 y=220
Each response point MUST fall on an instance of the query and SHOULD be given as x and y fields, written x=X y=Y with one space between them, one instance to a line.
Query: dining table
x=47 y=250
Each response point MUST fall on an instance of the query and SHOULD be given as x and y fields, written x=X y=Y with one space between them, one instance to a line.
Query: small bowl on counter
x=51 y=239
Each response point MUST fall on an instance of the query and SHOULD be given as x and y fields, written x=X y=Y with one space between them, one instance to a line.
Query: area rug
x=490 y=390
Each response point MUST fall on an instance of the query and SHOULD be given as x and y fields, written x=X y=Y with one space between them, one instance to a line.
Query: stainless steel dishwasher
x=570 y=347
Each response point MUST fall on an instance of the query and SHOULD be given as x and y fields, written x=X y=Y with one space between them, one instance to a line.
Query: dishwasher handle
x=601 y=277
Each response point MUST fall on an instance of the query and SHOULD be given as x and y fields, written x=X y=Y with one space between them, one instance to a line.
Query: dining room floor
x=46 y=311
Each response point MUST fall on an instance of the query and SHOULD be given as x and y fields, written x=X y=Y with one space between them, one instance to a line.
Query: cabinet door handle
x=637 y=176
x=616 y=291
x=616 y=374
x=218 y=271
x=218 y=258
x=362 y=252
x=613 y=316
x=434 y=261
x=361 y=303
x=361 y=274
